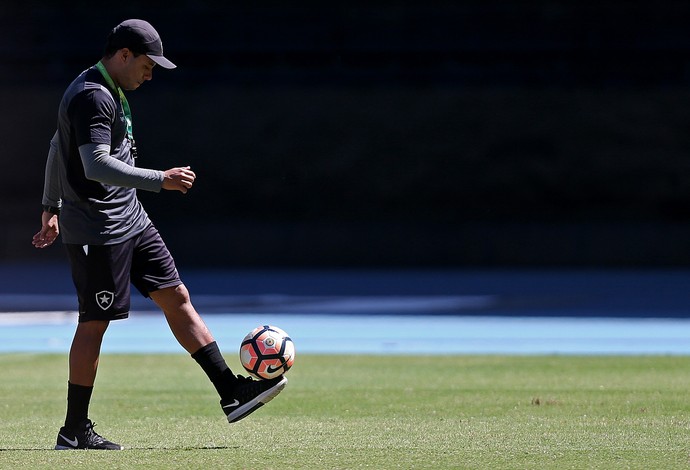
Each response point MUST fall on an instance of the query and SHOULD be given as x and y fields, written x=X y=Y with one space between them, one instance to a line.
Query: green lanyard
x=123 y=102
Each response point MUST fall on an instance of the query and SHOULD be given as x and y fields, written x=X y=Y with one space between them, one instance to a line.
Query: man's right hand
x=50 y=229
x=178 y=179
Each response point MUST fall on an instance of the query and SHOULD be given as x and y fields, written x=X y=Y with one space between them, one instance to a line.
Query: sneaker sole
x=257 y=402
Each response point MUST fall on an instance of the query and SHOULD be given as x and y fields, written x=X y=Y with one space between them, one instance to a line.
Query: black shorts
x=102 y=274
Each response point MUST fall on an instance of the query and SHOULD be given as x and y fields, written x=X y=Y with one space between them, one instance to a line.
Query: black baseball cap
x=140 y=37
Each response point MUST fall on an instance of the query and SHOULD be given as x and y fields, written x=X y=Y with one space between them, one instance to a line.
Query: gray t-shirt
x=95 y=212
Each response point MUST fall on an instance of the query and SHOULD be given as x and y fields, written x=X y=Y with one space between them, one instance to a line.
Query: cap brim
x=162 y=61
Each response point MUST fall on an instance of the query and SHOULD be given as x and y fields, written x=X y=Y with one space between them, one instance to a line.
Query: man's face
x=136 y=71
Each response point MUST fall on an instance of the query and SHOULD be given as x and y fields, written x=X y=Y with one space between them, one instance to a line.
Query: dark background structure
x=381 y=133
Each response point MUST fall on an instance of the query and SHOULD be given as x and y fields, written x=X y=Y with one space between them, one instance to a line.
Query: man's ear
x=124 y=54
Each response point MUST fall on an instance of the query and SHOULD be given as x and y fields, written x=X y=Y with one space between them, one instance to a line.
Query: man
x=90 y=188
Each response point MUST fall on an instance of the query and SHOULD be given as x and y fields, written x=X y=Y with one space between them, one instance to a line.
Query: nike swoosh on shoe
x=73 y=442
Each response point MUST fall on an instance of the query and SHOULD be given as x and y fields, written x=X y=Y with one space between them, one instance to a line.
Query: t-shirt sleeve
x=92 y=113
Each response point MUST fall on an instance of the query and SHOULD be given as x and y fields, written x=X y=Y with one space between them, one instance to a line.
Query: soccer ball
x=267 y=352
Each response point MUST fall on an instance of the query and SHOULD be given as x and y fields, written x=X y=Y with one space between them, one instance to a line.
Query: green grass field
x=482 y=412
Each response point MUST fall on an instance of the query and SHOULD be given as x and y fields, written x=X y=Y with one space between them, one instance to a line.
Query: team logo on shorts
x=104 y=299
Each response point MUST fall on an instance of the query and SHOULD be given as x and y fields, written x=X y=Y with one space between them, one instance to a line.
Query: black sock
x=78 y=399
x=211 y=361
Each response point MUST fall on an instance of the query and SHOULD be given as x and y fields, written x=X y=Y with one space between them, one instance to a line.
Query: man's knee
x=171 y=296
x=89 y=335
x=92 y=327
